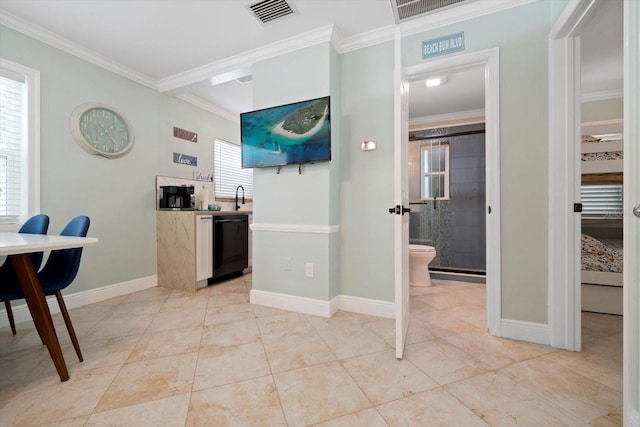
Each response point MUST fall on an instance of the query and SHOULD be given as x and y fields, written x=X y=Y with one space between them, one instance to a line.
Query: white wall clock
x=100 y=129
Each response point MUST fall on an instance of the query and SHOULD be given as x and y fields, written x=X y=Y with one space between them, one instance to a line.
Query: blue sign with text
x=183 y=159
x=443 y=45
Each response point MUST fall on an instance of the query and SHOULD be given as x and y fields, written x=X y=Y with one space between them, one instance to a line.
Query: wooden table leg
x=39 y=309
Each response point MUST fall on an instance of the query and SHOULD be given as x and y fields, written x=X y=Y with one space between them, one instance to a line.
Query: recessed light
x=436 y=81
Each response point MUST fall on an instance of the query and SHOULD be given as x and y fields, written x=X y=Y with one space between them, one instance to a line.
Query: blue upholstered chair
x=9 y=286
x=61 y=269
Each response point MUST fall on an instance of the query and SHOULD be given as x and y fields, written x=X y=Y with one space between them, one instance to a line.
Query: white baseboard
x=525 y=331
x=323 y=308
x=79 y=299
x=367 y=306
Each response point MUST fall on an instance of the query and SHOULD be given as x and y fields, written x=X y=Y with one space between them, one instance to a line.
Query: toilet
x=420 y=256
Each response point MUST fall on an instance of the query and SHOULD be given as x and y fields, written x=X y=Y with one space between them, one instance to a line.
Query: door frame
x=631 y=273
x=489 y=59
x=564 y=122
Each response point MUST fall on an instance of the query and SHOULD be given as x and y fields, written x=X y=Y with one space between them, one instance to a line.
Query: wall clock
x=100 y=129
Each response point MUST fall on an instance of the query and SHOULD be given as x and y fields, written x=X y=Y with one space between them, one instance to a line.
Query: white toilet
x=420 y=256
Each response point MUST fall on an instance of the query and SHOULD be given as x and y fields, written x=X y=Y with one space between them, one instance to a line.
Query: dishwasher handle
x=222 y=221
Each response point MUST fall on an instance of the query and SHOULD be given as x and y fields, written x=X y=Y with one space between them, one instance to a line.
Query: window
x=228 y=172
x=19 y=143
x=601 y=200
x=435 y=172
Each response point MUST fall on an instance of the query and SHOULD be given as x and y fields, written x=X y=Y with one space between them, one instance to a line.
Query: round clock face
x=99 y=129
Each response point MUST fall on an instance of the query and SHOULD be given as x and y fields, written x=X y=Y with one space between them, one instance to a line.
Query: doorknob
x=636 y=210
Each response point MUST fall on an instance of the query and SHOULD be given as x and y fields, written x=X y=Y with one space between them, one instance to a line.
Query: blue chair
x=61 y=269
x=9 y=286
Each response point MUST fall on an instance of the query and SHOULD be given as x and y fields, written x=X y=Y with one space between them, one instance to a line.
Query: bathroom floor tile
x=582 y=397
x=384 y=378
x=167 y=412
x=253 y=402
x=147 y=380
x=443 y=362
x=502 y=401
x=162 y=357
x=224 y=365
x=366 y=418
x=435 y=408
x=495 y=352
x=297 y=351
x=155 y=344
x=318 y=393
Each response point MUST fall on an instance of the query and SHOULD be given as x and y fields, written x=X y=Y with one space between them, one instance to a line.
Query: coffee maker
x=177 y=197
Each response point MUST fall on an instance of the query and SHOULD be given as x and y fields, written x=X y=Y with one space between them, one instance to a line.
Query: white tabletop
x=20 y=243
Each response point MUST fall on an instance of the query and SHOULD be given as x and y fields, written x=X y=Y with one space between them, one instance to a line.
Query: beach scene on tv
x=293 y=133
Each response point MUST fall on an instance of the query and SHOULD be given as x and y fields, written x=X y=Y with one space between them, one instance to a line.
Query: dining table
x=18 y=247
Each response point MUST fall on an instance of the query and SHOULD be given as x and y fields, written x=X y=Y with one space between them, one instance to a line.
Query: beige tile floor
x=167 y=358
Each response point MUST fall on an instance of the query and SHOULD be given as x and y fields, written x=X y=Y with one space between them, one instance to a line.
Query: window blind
x=228 y=172
x=12 y=139
x=602 y=200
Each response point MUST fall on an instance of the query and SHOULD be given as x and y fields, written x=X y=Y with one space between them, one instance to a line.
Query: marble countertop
x=216 y=213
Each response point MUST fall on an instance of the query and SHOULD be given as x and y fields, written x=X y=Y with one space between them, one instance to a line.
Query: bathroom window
x=435 y=172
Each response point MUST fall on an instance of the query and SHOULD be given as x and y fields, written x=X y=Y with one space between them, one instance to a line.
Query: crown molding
x=204 y=72
x=454 y=15
x=601 y=96
x=367 y=39
x=462 y=115
x=207 y=106
x=52 y=39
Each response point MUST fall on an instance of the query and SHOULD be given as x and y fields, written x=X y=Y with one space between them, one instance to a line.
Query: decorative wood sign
x=185 y=134
x=202 y=176
x=185 y=159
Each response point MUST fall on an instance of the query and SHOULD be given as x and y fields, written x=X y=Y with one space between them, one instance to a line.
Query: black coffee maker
x=177 y=197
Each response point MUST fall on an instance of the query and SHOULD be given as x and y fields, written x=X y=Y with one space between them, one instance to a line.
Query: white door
x=401 y=197
x=631 y=281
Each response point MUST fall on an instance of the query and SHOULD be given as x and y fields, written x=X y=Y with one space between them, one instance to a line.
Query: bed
x=601 y=275
x=602 y=153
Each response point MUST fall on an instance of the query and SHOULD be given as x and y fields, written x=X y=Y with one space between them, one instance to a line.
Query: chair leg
x=7 y=305
x=67 y=321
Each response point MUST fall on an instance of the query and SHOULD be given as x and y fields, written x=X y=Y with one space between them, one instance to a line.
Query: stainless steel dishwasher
x=230 y=244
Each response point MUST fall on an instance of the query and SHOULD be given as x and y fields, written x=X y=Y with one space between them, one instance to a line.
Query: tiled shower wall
x=455 y=227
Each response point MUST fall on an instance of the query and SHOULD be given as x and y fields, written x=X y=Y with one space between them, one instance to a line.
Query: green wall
x=290 y=198
x=522 y=35
x=118 y=195
x=366 y=228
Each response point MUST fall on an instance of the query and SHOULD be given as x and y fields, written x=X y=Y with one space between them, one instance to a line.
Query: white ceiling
x=176 y=46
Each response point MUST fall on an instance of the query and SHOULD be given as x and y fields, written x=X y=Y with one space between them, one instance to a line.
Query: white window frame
x=423 y=174
x=248 y=186
x=30 y=204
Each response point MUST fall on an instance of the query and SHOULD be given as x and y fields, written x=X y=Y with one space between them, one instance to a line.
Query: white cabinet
x=204 y=249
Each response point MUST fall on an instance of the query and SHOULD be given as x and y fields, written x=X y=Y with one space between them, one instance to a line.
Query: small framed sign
x=185 y=134
x=443 y=45
x=185 y=159
x=202 y=176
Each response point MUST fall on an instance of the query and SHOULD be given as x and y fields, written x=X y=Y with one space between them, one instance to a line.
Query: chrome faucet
x=237 y=188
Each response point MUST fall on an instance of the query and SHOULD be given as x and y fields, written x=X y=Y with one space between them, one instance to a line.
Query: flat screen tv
x=292 y=133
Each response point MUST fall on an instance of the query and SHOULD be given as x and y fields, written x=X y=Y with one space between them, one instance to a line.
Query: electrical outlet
x=308 y=269
x=287 y=264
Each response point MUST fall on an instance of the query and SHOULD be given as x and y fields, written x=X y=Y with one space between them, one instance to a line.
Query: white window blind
x=228 y=172
x=602 y=200
x=13 y=137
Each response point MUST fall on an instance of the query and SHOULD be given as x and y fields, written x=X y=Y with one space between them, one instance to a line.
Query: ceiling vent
x=409 y=9
x=269 y=10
